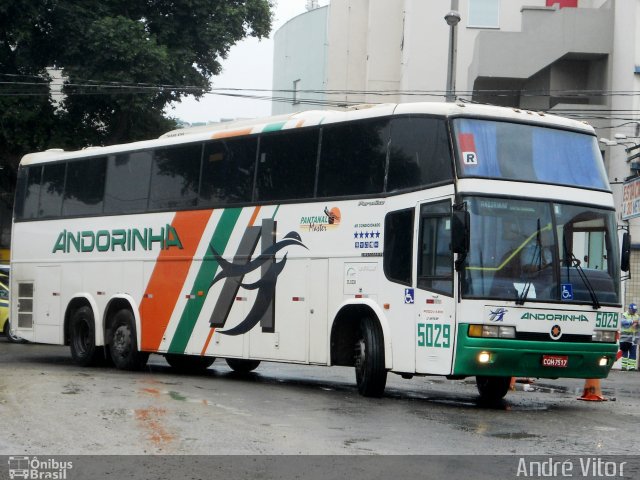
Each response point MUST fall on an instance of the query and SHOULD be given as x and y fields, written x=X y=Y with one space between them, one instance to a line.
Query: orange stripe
x=211 y=331
x=206 y=344
x=300 y=123
x=232 y=133
x=168 y=277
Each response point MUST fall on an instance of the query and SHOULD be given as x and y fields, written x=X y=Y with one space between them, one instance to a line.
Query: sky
x=249 y=65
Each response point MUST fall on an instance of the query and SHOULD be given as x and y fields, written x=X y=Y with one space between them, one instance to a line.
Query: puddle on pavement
x=513 y=435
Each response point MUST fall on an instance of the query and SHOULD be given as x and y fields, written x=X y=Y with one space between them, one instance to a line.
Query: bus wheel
x=242 y=365
x=371 y=375
x=492 y=388
x=11 y=337
x=82 y=338
x=123 y=346
x=189 y=363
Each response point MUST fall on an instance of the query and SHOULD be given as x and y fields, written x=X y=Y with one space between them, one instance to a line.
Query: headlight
x=605 y=336
x=492 y=331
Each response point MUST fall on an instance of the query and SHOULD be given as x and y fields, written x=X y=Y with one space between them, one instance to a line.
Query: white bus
x=419 y=239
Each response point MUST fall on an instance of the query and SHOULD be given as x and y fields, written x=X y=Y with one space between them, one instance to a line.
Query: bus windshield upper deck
x=528 y=153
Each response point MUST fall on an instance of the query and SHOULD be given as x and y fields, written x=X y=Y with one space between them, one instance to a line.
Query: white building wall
x=347 y=50
x=301 y=46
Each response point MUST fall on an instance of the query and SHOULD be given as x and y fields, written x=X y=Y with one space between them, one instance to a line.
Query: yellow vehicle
x=4 y=312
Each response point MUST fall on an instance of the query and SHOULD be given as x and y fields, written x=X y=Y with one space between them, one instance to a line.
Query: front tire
x=492 y=389
x=189 y=363
x=123 y=345
x=82 y=338
x=371 y=375
x=241 y=365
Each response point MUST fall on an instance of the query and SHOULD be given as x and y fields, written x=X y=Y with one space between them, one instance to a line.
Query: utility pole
x=452 y=18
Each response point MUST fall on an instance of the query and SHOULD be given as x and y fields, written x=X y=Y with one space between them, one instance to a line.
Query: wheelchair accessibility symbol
x=566 y=291
x=408 y=295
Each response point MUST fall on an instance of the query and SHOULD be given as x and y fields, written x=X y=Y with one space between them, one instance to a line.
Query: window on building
x=484 y=14
x=296 y=85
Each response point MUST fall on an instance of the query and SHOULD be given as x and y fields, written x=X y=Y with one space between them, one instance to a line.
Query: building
x=577 y=58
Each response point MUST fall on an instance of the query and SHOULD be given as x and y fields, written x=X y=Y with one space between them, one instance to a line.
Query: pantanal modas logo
x=321 y=223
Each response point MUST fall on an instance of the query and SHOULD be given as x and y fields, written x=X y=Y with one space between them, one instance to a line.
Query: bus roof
x=313 y=118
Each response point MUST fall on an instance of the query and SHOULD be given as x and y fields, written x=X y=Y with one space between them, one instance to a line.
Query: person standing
x=629 y=337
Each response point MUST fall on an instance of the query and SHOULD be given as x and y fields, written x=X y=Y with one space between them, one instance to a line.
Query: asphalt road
x=50 y=406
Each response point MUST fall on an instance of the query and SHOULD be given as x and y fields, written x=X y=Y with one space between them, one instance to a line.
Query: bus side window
x=127 y=187
x=28 y=192
x=287 y=165
x=51 y=190
x=175 y=177
x=435 y=259
x=398 y=246
x=353 y=158
x=227 y=171
x=84 y=187
x=419 y=153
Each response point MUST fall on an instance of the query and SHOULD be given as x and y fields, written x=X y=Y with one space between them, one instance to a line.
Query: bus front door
x=433 y=297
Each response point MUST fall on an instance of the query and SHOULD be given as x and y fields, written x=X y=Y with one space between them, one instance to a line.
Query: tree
x=123 y=61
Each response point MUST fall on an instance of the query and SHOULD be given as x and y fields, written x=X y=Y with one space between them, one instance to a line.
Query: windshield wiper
x=575 y=262
x=521 y=297
x=585 y=280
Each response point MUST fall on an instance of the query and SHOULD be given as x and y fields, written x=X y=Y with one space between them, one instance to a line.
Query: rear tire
x=123 y=344
x=82 y=338
x=371 y=374
x=492 y=389
x=241 y=365
x=188 y=363
x=11 y=338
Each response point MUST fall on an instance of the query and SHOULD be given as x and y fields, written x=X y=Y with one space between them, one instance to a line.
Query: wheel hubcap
x=122 y=341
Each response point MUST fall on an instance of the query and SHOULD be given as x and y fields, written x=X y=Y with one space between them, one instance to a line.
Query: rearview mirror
x=460 y=220
x=625 y=257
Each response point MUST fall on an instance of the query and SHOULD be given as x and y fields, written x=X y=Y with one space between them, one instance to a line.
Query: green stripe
x=273 y=127
x=203 y=280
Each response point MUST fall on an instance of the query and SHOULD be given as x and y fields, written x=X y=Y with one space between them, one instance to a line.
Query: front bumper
x=520 y=358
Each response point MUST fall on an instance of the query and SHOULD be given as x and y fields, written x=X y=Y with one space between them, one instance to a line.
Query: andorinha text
x=120 y=239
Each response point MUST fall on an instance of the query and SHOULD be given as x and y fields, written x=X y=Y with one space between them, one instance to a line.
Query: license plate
x=556 y=361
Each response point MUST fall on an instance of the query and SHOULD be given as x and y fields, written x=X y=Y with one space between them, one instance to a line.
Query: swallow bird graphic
x=265 y=286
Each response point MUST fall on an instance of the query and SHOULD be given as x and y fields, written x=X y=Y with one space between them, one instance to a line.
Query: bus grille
x=544 y=337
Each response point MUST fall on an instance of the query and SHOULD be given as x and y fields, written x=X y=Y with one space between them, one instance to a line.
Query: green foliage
x=122 y=61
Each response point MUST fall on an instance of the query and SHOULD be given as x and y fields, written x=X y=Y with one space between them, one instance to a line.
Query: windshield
x=541 y=251
x=513 y=151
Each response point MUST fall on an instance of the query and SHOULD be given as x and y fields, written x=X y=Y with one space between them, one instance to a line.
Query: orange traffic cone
x=592 y=392
x=512 y=384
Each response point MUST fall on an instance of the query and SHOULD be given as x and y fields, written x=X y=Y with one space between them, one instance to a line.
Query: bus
x=420 y=239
